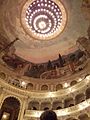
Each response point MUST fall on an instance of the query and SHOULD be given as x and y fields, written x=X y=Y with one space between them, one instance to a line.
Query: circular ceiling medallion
x=43 y=19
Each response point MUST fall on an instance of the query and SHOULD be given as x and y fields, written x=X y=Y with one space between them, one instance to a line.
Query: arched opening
x=57 y=105
x=88 y=93
x=79 y=98
x=73 y=83
x=69 y=102
x=29 y=86
x=59 y=86
x=33 y=105
x=2 y=75
x=45 y=106
x=44 y=87
x=10 y=109
x=84 y=117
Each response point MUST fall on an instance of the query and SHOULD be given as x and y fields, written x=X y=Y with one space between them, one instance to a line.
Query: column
x=39 y=105
x=63 y=104
x=51 y=105
x=1 y=98
x=22 y=109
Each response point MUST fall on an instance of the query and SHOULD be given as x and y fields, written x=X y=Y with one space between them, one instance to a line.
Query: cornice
x=42 y=95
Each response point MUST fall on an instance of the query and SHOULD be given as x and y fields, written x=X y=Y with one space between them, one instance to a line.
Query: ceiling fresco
x=40 y=50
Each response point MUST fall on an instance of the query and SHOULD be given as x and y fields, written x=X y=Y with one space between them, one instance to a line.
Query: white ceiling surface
x=38 y=51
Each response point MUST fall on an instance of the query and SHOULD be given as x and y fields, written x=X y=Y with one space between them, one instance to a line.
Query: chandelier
x=44 y=19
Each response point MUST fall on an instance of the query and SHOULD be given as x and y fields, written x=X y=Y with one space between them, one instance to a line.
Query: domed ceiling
x=45 y=28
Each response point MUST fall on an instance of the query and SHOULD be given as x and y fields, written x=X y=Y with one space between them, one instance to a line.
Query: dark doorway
x=10 y=109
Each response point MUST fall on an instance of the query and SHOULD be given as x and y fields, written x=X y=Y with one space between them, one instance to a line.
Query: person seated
x=48 y=115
